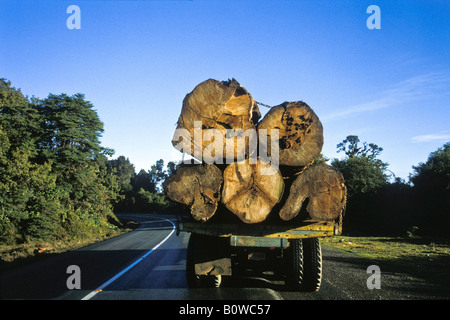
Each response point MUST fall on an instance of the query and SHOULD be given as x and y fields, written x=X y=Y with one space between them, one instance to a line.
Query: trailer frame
x=212 y=245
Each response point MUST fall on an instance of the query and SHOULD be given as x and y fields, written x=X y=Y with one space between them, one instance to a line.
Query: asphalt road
x=149 y=264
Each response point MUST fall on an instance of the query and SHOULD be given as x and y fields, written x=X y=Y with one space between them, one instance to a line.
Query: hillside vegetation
x=56 y=182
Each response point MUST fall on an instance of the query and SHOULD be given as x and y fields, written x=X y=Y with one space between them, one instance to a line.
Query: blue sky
x=136 y=61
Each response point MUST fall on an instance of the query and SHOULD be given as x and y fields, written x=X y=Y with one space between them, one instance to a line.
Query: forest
x=58 y=182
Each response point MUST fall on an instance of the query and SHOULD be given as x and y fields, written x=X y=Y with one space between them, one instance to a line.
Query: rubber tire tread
x=295 y=265
x=312 y=255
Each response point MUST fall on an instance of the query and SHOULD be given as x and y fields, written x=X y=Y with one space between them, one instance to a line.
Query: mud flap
x=210 y=255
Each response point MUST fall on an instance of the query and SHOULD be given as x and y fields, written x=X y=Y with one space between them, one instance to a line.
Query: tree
x=362 y=171
x=436 y=169
x=431 y=187
x=143 y=180
x=71 y=141
x=141 y=192
x=54 y=181
x=365 y=177
x=29 y=201
x=157 y=174
x=19 y=120
x=125 y=172
x=72 y=130
x=350 y=146
x=171 y=169
x=150 y=180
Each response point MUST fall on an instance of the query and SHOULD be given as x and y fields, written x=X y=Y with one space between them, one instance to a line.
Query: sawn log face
x=325 y=189
x=300 y=133
x=218 y=105
x=249 y=193
x=198 y=187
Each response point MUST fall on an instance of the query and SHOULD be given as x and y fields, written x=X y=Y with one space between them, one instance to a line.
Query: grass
x=423 y=258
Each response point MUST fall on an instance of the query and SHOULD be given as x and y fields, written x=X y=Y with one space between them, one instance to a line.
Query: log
x=220 y=106
x=219 y=121
x=198 y=187
x=249 y=193
x=300 y=133
x=325 y=189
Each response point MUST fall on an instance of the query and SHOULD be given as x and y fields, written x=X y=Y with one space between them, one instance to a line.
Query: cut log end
x=325 y=189
x=300 y=133
x=218 y=105
x=197 y=187
x=250 y=191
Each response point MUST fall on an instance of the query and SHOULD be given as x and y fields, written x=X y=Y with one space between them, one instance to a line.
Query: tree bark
x=325 y=189
x=300 y=133
x=215 y=105
x=198 y=187
x=249 y=193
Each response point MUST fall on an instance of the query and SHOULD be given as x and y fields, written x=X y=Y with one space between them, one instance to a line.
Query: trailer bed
x=308 y=229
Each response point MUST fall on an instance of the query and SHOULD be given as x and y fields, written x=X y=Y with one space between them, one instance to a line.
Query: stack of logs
x=219 y=126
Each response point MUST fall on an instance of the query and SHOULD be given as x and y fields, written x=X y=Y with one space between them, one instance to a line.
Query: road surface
x=149 y=264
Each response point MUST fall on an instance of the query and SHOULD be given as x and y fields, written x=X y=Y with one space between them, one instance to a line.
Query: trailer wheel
x=295 y=264
x=312 y=265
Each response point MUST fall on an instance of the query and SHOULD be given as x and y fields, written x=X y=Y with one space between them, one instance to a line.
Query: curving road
x=149 y=263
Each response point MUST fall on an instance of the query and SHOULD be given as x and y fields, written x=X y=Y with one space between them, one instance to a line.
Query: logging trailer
x=290 y=252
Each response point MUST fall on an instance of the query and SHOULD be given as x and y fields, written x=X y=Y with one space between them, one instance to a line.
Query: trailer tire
x=312 y=254
x=295 y=264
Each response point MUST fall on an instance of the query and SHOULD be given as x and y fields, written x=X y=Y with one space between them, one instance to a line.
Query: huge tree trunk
x=300 y=133
x=221 y=106
x=325 y=189
x=250 y=192
x=198 y=187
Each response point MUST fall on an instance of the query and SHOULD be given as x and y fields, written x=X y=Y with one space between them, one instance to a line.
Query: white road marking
x=107 y=283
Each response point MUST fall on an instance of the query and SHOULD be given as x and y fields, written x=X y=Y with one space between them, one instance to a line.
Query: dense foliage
x=54 y=182
x=142 y=192
x=380 y=204
x=55 y=178
x=431 y=181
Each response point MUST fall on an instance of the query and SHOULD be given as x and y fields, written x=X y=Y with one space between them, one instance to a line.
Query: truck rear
x=287 y=252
